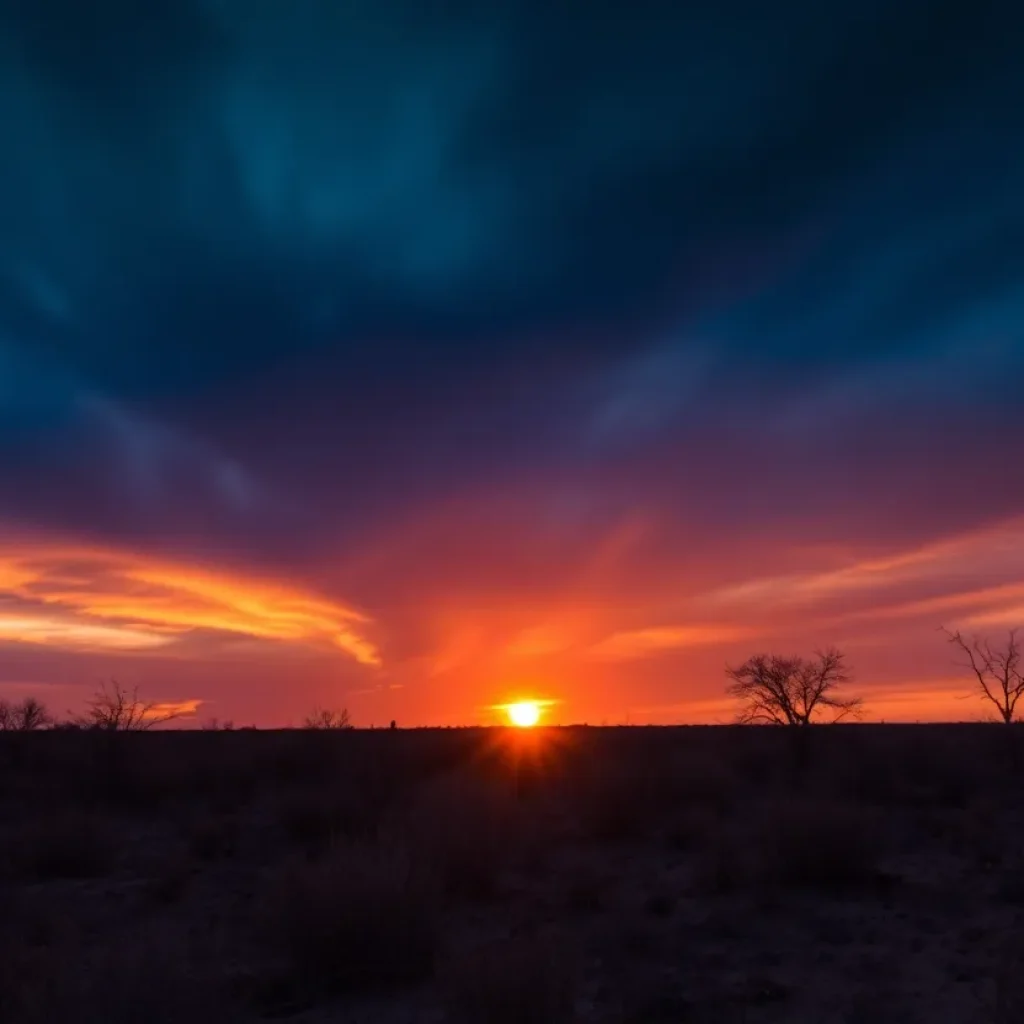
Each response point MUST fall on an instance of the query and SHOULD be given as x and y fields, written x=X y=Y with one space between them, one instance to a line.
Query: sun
x=524 y=713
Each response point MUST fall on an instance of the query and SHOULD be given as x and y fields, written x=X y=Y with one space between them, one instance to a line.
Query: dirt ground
x=624 y=875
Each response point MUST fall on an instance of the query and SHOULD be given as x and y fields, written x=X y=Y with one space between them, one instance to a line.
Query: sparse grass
x=687 y=828
x=462 y=829
x=791 y=843
x=660 y=905
x=721 y=861
x=585 y=895
x=66 y=845
x=1001 y=995
x=28 y=921
x=211 y=836
x=695 y=858
x=312 y=817
x=515 y=981
x=816 y=845
x=613 y=806
x=359 y=919
x=168 y=884
x=306 y=819
x=132 y=983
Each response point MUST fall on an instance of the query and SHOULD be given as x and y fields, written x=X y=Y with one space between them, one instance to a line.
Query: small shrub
x=721 y=862
x=303 y=758
x=460 y=828
x=169 y=883
x=28 y=920
x=585 y=896
x=916 y=769
x=68 y=845
x=634 y=794
x=943 y=775
x=319 y=815
x=305 y=819
x=699 y=783
x=1000 y=993
x=613 y=805
x=328 y=718
x=660 y=905
x=271 y=994
x=515 y=981
x=792 y=844
x=816 y=845
x=357 y=920
x=129 y=772
x=124 y=985
x=687 y=828
x=211 y=837
x=656 y=1006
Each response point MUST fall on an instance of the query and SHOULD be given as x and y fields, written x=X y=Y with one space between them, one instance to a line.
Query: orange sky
x=617 y=639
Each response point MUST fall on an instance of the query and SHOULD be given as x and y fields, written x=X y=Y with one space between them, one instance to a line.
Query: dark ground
x=619 y=875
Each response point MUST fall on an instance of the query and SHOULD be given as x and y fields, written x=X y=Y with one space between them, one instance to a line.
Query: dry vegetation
x=841 y=873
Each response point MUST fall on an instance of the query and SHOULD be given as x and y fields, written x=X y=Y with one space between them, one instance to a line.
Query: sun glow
x=523 y=714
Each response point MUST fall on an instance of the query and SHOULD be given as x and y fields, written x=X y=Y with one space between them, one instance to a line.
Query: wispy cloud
x=538 y=641
x=104 y=600
x=1009 y=616
x=175 y=709
x=640 y=643
x=940 y=699
x=963 y=608
x=981 y=568
x=153 y=454
x=77 y=635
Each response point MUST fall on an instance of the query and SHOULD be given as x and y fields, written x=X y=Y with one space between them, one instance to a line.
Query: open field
x=872 y=873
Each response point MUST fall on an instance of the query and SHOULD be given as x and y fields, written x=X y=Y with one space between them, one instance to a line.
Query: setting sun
x=524 y=713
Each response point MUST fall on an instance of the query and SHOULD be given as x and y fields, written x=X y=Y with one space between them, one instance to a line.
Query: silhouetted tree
x=216 y=725
x=998 y=670
x=775 y=690
x=27 y=716
x=328 y=718
x=113 y=708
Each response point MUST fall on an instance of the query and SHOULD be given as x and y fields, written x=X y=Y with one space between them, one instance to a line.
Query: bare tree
x=114 y=708
x=31 y=714
x=327 y=718
x=776 y=690
x=27 y=716
x=216 y=725
x=999 y=670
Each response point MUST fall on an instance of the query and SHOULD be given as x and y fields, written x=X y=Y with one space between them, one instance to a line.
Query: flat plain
x=624 y=875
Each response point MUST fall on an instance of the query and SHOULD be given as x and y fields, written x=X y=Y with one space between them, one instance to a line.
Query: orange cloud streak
x=94 y=599
x=175 y=708
x=43 y=629
x=640 y=643
x=962 y=565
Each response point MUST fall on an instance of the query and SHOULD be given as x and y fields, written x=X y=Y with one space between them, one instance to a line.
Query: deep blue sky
x=416 y=310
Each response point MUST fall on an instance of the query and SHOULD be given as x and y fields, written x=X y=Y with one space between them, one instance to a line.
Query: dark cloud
x=215 y=184
x=273 y=275
x=113 y=55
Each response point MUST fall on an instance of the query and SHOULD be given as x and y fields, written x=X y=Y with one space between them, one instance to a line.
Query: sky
x=416 y=358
